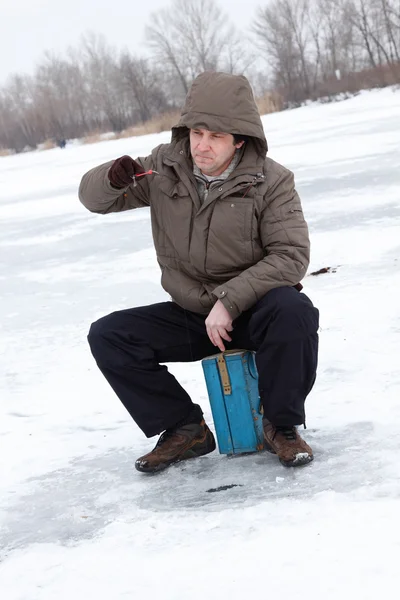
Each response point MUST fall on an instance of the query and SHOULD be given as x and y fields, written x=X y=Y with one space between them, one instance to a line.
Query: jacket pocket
x=230 y=236
x=171 y=218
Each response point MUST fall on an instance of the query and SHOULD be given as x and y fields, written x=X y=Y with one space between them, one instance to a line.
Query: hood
x=222 y=102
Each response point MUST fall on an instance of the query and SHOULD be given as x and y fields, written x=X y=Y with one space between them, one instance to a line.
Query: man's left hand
x=218 y=323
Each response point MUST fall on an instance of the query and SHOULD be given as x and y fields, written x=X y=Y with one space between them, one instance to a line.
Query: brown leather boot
x=182 y=443
x=287 y=444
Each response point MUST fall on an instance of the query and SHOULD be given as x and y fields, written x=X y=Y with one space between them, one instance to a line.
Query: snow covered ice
x=77 y=520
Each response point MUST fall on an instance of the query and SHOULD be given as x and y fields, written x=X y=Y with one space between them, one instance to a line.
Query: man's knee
x=99 y=331
x=118 y=338
x=108 y=329
x=283 y=298
x=286 y=314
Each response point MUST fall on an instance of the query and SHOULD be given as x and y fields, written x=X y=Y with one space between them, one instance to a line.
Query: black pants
x=129 y=346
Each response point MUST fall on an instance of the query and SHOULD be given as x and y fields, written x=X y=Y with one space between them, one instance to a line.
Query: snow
x=77 y=520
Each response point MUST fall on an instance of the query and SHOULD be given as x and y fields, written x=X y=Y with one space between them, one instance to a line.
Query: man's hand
x=122 y=171
x=218 y=323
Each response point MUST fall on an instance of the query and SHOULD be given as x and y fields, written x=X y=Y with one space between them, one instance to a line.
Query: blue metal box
x=232 y=385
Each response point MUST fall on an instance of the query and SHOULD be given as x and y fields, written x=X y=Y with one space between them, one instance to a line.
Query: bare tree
x=360 y=13
x=21 y=112
x=105 y=82
x=197 y=38
x=142 y=84
x=313 y=48
x=378 y=25
x=337 y=38
x=285 y=38
x=391 y=18
x=317 y=47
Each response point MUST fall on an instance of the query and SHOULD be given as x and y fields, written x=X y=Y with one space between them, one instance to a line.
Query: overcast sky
x=29 y=27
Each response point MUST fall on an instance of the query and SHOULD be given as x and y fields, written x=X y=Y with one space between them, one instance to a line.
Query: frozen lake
x=76 y=519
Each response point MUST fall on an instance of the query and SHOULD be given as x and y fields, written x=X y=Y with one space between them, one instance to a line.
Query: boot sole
x=189 y=454
x=302 y=458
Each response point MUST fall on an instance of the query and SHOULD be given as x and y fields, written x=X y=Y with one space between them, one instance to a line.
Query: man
x=232 y=245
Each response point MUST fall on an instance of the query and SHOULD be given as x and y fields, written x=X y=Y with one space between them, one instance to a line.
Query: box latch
x=223 y=371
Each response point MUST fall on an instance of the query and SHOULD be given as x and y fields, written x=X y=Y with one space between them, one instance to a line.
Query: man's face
x=212 y=151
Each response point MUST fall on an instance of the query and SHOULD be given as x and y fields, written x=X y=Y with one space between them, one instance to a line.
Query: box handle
x=223 y=371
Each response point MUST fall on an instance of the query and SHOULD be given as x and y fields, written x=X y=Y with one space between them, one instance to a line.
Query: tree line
x=299 y=49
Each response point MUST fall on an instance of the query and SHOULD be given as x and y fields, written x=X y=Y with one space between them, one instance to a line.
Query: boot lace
x=289 y=433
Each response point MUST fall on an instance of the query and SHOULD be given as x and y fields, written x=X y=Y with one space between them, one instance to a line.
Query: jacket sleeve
x=97 y=194
x=285 y=239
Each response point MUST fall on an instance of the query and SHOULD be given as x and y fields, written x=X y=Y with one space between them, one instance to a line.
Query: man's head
x=212 y=151
x=221 y=102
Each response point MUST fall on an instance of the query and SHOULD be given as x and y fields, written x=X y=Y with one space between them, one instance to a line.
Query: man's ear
x=239 y=145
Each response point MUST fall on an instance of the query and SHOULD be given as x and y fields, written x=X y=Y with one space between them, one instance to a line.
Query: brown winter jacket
x=247 y=238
